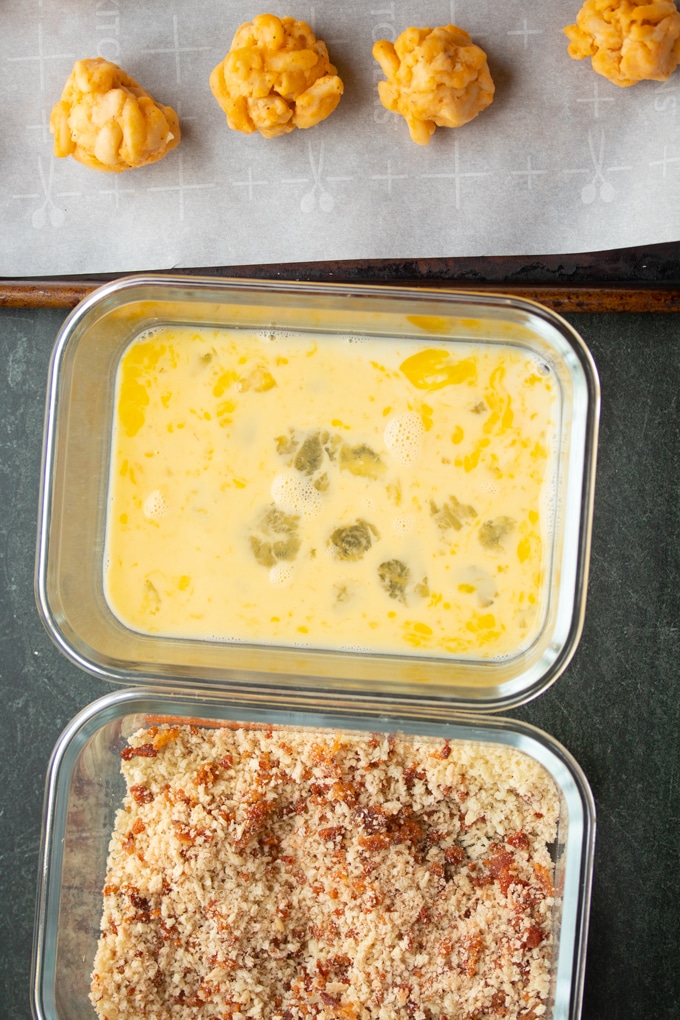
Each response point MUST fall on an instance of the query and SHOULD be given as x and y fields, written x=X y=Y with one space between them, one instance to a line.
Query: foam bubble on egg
x=331 y=551
x=148 y=334
x=275 y=335
x=404 y=437
x=404 y=524
x=490 y=489
x=539 y=365
x=155 y=506
x=296 y=495
x=281 y=575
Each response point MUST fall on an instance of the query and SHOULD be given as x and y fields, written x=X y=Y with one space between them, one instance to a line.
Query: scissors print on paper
x=599 y=184
x=319 y=195
x=48 y=209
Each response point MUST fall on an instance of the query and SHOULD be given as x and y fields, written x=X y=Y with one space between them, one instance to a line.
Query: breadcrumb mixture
x=285 y=874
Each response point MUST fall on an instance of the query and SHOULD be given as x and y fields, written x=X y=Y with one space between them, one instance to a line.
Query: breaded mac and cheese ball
x=275 y=77
x=627 y=41
x=107 y=121
x=436 y=77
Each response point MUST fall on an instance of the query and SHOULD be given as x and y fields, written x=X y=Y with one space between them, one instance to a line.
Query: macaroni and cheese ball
x=436 y=77
x=107 y=121
x=275 y=77
x=627 y=41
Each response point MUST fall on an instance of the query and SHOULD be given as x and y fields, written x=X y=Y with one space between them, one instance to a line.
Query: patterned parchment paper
x=563 y=161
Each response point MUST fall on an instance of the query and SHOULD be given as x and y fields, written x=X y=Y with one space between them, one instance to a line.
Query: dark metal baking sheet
x=643 y=279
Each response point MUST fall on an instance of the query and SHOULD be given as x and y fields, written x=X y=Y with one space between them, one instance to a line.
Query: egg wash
x=331 y=492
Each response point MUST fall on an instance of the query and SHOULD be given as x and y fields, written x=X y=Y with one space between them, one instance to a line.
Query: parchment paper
x=563 y=161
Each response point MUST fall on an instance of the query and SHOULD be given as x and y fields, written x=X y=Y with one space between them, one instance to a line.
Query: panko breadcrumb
x=436 y=77
x=276 y=77
x=107 y=121
x=284 y=874
x=628 y=41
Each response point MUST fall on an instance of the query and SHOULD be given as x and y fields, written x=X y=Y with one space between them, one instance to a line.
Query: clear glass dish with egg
x=375 y=490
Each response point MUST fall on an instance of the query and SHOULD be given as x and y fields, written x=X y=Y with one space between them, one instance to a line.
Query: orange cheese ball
x=627 y=41
x=276 y=77
x=436 y=77
x=107 y=121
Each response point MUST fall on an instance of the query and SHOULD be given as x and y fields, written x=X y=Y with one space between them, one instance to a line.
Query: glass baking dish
x=85 y=789
x=77 y=480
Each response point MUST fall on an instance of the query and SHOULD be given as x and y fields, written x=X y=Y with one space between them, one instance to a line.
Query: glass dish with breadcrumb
x=215 y=858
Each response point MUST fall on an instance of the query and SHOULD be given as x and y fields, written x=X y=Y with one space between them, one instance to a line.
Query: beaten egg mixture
x=345 y=493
